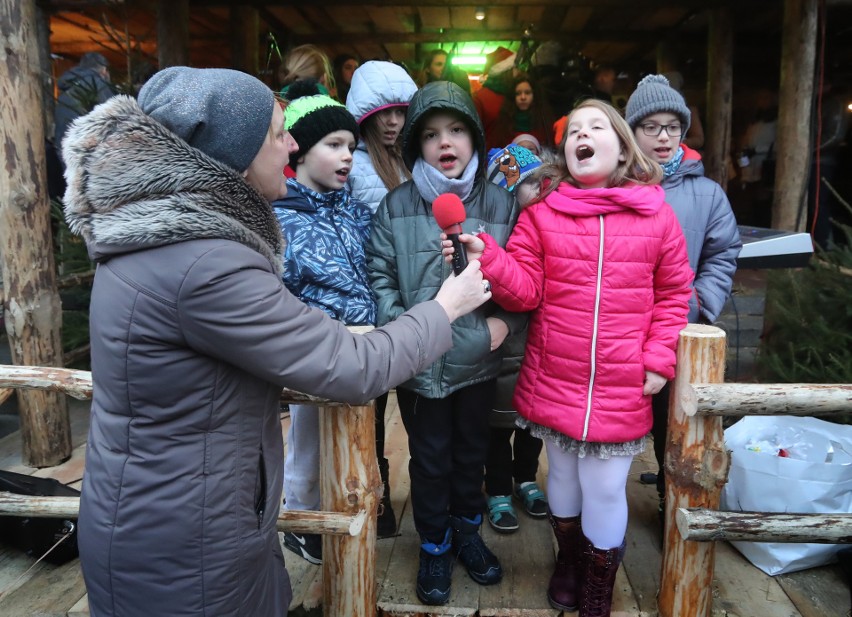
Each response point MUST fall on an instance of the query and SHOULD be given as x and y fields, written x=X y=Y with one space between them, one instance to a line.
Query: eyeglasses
x=652 y=129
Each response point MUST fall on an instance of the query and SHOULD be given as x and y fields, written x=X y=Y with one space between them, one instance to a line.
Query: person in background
x=445 y=408
x=827 y=141
x=603 y=82
x=695 y=136
x=509 y=106
x=378 y=99
x=437 y=67
x=344 y=67
x=80 y=89
x=601 y=262
x=530 y=142
x=307 y=62
x=756 y=163
x=513 y=452
x=660 y=117
x=433 y=66
x=193 y=337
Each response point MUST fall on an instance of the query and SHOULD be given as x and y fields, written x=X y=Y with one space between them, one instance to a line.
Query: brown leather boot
x=564 y=588
x=599 y=568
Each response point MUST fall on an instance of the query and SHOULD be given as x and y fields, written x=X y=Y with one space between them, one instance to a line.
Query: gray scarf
x=430 y=182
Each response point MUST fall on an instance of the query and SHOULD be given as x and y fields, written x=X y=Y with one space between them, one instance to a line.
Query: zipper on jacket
x=594 y=350
x=260 y=492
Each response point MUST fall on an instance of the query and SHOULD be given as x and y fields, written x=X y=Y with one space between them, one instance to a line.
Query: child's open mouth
x=447 y=161
x=584 y=152
x=343 y=173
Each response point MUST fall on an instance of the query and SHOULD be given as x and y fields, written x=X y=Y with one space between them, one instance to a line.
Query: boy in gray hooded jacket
x=445 y=408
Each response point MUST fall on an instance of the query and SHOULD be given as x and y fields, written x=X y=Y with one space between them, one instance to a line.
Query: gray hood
x=432 y=97
x=132 y=184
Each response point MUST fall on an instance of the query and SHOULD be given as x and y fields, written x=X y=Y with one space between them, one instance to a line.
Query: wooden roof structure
x=624 y=33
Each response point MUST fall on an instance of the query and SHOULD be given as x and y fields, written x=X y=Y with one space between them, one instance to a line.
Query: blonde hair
x=636 y=168
x=307 y=61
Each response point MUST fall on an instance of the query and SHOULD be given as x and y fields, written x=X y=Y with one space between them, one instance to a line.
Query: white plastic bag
x=813 y=474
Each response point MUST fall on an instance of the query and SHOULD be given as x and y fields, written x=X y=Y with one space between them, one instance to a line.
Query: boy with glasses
x=659 y=117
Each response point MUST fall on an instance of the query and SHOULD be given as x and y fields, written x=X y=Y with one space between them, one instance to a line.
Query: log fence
x=697 y=463
x=696 y=466
x=350 y=488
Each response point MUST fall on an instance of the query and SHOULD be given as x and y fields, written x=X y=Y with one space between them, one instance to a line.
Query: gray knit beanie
x=653 y=94
x=224 y=113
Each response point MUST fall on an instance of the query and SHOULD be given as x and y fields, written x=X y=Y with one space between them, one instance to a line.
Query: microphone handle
x=459 y=254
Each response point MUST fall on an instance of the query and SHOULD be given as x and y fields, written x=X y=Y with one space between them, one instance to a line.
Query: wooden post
x=696 y=467
x=33 y=312
x=172 y=33
x=46 y=74
x=793 y=146
x=720 y=43
x=245 y=45
x=349 y=482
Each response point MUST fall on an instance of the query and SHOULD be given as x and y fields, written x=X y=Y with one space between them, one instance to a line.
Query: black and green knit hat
x=310 y=116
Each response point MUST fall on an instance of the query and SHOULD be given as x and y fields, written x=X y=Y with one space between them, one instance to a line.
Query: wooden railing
x=350 y=489
x=696 y=470
x=697 y=463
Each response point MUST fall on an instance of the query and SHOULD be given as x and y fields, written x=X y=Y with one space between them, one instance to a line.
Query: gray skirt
x=594 y=449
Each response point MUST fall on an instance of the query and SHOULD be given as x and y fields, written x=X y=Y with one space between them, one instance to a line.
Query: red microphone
x=449 y=213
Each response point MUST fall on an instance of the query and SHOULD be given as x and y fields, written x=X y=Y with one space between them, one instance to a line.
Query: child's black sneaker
x=436 y=571
x=386 y=523
x=305 y=545
x=482 y=565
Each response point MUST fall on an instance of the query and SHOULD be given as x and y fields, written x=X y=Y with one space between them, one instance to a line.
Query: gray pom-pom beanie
x=224 y=113
x=653 y=94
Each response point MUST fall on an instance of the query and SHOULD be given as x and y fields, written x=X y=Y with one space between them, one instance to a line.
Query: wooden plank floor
x=739 y=589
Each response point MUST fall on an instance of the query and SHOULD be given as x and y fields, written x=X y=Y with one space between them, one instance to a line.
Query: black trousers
x=507 y=461
x=448 y=442
x=660 y=409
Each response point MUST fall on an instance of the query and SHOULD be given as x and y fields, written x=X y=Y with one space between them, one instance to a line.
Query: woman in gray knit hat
x=660 y=118
x=193 y=336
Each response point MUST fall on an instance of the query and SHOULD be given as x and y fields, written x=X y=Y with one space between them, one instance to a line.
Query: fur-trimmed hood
x=133 y=184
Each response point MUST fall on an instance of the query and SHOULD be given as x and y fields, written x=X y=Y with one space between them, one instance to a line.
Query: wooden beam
x=299 y=521
x=784 y=399
x=462 y=36
x=172 y=33
x=793 y=147
x=720 y=56
x=651 y=5
x=700 y=525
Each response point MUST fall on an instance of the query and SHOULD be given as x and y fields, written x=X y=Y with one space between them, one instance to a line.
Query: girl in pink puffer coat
x=601 y=262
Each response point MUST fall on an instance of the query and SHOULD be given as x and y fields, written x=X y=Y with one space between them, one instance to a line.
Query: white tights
x=596 y=487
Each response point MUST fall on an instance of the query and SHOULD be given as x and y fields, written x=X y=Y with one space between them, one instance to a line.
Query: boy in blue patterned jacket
x=324 y=265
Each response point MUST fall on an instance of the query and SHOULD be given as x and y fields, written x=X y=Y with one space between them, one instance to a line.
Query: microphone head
x=448 y=210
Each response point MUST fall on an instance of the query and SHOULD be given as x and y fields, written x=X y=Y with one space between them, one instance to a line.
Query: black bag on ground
x=35 y=535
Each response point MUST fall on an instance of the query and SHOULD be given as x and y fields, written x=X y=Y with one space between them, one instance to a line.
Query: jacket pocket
x=260 y=489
